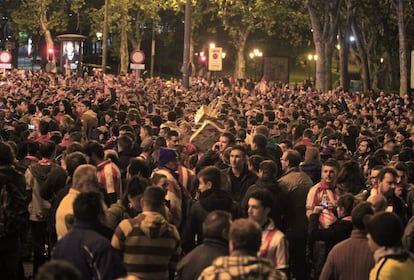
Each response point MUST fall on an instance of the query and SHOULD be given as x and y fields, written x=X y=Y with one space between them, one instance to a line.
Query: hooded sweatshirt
x=241 y=266
x=150 y=246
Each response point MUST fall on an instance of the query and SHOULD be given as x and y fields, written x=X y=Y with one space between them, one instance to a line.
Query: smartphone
x=31 y=127
x=325 y=205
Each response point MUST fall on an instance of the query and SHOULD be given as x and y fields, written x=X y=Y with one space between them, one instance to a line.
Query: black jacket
x=340 y=230
x=14 y=183
x=191 y=266
x=247 y=178
x=210 y=200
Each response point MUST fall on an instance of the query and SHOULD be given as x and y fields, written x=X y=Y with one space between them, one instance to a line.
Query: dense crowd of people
x=102 y=179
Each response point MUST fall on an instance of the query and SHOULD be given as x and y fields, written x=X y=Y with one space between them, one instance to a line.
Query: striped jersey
x=274 y=246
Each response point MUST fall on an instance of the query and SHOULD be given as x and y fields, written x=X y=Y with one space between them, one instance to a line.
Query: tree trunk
x=123 y=48
x=325 y=29
x=136 y=37
x=320 y=72
x=191 y=58
x=344 y=48
x=402 y=47
x=329 y=48
x=240 y=65
x=51 y=64
x=366 y=81
x=343 y=62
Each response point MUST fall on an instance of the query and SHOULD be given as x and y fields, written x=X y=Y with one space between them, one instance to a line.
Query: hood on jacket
x=40 y=172
x=153 y=224
x=90 y=113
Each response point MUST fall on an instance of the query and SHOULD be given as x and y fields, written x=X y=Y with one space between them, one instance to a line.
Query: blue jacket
x=90 y=252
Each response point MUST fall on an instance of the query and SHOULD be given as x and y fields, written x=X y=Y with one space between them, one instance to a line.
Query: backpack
x=13 y=210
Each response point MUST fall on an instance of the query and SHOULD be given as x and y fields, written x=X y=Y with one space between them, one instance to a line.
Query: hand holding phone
x=325 y=205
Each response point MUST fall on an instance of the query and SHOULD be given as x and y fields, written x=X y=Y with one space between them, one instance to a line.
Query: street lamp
x=210 y=73
x=255 y=53
x=338 y=47
x=98 y=45
x=312 y=57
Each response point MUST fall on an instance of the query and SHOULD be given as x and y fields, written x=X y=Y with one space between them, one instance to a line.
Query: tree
x=240 y=18
x=324 y=16
x=128 y=19
x=204 y=21
x=402 y=50
x=48 y=16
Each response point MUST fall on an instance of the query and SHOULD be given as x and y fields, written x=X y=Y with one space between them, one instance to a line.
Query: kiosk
x=71 y=53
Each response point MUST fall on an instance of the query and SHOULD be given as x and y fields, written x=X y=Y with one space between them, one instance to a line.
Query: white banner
x=137 y=66
x=5 y=66
x=215 y=59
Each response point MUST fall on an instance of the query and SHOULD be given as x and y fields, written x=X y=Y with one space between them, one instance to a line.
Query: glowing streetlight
x=223 y=55
x=311 y=57
x=212 y=45
x=98 y=45
x=255 y=53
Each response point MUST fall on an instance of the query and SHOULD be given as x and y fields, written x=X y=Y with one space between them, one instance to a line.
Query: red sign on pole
x=137 y=56
x=5 y=57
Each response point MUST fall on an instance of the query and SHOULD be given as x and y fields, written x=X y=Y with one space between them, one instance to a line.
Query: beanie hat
x=386 y=229
x=165 y=155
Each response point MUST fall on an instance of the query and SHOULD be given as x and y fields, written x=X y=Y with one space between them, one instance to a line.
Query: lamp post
x=211 y=46
x=256 y=53
x=98 y=45
x=223 y=56
x=105 y=37
x=338 y=47
x=186 y=51
x=312 y=57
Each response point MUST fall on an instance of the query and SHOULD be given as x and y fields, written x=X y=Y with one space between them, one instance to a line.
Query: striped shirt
x=274 y=246
x=321 y=194
x=150 y=246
